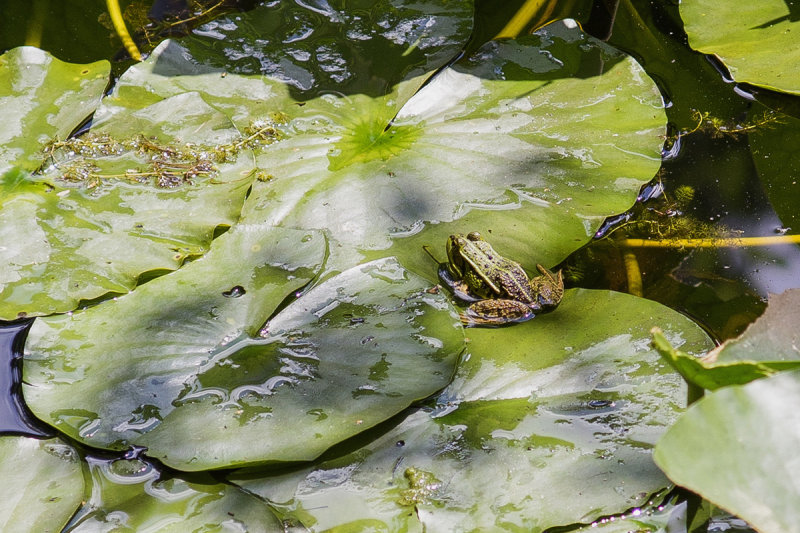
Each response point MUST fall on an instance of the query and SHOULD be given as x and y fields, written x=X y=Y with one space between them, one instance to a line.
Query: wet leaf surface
x=737 y=447
x=539 y=414
x=43 y=98
x=132 y=495
x=42 y=484
x=179 y=365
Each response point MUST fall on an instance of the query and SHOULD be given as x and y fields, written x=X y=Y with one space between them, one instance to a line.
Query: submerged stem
x=541 y=9
x=731 y=242
x=634 y=274
x=122 y=30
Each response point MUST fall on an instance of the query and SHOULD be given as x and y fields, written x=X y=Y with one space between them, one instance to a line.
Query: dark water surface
x=15 y=419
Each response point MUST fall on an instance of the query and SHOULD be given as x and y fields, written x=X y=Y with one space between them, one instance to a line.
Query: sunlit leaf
x=737 y=447
x=42 y=98
x=179 y=365
x=42 y=484
x=535 y=140
x=99 y=215
x=757 y=41
x=564 y=408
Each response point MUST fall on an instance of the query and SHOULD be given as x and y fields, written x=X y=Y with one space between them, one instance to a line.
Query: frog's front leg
x=459 y=287
x=496 y=312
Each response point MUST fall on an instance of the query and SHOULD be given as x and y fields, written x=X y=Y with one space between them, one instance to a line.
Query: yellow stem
x=195 y=17
x=36 y=24
x=122 y=30
x=634 y=274
x=712 y=242
x=524 y=15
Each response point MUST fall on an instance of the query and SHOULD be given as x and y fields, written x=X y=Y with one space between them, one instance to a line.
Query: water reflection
x=314 y=47
x=134 y=494
x=724 y=288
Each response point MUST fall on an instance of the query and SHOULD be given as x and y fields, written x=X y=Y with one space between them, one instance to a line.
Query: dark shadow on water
x=369 y=47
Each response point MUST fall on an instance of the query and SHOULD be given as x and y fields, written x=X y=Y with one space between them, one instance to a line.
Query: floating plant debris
x=163 y=164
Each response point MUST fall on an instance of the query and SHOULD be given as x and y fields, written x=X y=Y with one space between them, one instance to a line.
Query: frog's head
x=455 y=259
x=460 y=242
x=463 y=251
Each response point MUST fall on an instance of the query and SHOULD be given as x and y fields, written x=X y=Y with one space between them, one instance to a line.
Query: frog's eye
x=474 y=236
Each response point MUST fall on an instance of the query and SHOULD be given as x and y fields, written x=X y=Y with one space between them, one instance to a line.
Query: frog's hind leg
x=494 y=313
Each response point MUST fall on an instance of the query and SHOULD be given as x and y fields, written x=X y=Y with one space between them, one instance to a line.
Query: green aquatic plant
x=718 y=127
x=164 y=164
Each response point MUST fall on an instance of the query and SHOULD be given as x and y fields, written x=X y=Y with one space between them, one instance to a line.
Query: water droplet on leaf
x=234 y=292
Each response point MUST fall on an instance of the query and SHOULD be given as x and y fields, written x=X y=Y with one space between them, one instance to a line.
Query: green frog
x=498 y=289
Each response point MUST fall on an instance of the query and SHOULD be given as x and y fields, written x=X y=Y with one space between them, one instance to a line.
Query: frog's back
x=515 y=282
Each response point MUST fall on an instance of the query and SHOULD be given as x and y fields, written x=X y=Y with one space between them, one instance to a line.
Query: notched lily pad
x=348 y=354
x=130 y=358
x=179 y=366
x=768 y=346
x=502 y=136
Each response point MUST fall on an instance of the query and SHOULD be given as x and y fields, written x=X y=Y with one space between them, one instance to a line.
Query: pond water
x=709 y=186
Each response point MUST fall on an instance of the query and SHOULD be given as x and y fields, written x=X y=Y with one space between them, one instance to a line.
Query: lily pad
x=566 y=407
x=137 y=194
x=756 y=41
x=43 y=98
x=131 y=495
x=737 y=447
x=504 y=136
x=63 y=245
x=179 y=365
x=774 y=336
x=768 y=346
x=42 y=484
